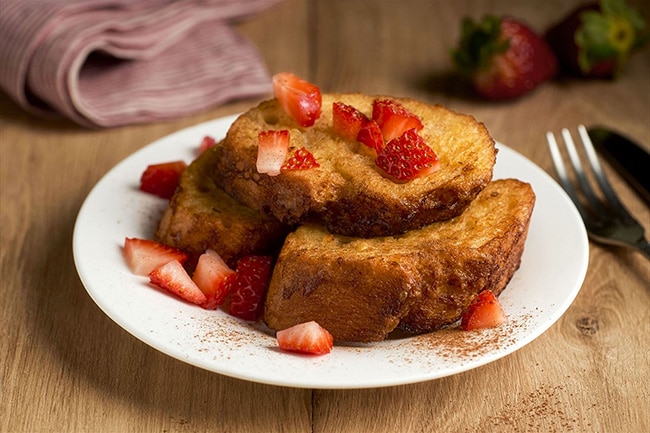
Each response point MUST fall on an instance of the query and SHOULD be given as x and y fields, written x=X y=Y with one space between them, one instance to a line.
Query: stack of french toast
x=357 y=251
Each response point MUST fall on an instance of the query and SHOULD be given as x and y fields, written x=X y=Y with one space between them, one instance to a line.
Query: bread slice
x=201 y=215
x=362 y=289
x=348 y=193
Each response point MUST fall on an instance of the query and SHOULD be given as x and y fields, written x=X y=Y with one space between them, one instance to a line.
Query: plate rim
x=316 y=383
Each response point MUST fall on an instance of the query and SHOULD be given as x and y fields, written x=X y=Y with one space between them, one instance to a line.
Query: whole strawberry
x=596 y=39
x=503 y=57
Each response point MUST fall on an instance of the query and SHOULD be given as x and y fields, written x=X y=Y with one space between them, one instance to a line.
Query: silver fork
x=606 y=219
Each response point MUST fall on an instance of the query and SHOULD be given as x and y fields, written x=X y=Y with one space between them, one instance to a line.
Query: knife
x=627 y=157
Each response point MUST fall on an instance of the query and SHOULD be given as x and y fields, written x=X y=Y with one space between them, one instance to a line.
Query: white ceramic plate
x=551 y=274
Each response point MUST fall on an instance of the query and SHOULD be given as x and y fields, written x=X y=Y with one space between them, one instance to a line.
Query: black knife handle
x=630 y=160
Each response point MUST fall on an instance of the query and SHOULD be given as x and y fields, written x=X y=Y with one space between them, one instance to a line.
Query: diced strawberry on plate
x=272 y=150
x=302 y=159
x=484 y=312
x=206 y=143
x=347 y=120
x=249 y=285
x=211 y=276
x=308 y=337
x=300 y=99
x=173 y=277
x=407 y=157
x=393 y=118
x=143 y=255
x=162 y=179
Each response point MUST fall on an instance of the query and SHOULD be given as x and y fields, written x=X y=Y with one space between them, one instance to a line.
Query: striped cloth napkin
x=106 y=63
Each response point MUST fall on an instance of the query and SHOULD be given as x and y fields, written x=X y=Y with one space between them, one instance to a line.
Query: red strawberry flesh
x=407 y=157
x=206 y=143
x=300 y=99
x=211 y=275
x=272 y=150
x=173 y=277
x=143 y=255
x=347 y=120
x=248 y=286
x=484 y=312
x=393 y=118
x=370 y=135
x=302 y=159
x=308 y=338
x=162 y=179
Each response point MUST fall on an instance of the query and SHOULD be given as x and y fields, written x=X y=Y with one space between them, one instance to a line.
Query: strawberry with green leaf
x=503 y=57
x=596 y=39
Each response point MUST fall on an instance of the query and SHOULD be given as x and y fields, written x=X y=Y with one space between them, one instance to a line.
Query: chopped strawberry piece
x=370 y=135
x=211 y=275
x=407 y=157
x=162 y=179
x=393 y=118
x=299 y=98
x=347 y=120
x=172 y=276
x=249 y=286
x=206 y=143
x=272 y=150
x=144 y=255
x=484 y=312
x=302 y=159
x=308 y=337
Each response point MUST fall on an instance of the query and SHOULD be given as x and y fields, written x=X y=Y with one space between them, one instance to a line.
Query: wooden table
x=66 y=367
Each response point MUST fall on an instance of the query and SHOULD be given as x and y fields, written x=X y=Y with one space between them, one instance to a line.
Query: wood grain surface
x=66 y=367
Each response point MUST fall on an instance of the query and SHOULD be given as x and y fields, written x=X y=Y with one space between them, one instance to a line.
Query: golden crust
x=202 y=216
x=362 y=289
x=348 y=193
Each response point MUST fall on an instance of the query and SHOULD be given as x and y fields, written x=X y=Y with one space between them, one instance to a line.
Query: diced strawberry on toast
x=393 y=118
x=347 y=120
x=272 y=150
x=299 y=98
x=302 y=159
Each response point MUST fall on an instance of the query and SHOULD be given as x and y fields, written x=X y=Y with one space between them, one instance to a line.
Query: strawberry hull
x=561 y=39
x=596 y=40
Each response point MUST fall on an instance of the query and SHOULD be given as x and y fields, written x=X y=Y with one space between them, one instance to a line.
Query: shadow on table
x=105 y=363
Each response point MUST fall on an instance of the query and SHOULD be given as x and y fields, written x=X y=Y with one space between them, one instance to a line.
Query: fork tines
x=595 y=203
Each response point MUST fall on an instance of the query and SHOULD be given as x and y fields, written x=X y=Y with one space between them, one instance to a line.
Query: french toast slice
x=348 y=192
x=362 y=289
x=202 y=216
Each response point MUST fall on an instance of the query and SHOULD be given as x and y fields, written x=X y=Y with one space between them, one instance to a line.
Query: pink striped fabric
x=105 y=63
